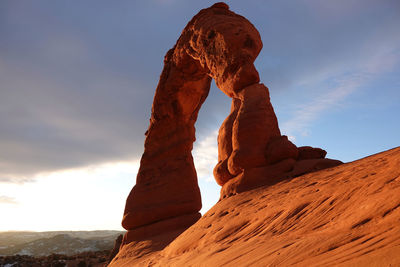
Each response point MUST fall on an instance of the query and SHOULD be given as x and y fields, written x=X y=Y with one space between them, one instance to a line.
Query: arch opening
x=205 y=149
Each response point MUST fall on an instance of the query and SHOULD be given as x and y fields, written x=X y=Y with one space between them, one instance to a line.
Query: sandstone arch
x=222 y=45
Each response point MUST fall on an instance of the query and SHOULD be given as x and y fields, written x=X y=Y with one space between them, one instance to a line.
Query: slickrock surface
x=347 y=215
x=222 y=45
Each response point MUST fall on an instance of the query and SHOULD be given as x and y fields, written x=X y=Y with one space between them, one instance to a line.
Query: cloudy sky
x=77 y=79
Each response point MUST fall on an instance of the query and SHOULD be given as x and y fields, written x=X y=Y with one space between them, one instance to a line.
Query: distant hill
x=56 y=242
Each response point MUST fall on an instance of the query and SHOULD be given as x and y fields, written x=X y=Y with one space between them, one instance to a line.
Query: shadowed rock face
x=221 y=45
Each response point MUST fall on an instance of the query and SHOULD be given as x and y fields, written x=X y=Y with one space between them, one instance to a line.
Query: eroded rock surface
x=343 y=216
x=221 y=45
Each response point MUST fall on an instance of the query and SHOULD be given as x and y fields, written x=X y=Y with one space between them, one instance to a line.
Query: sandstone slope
x=346 y=215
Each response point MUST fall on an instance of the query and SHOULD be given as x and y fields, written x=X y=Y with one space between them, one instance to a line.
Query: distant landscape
x=39 y=244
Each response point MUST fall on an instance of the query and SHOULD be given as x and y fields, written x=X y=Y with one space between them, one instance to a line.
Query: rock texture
x=221 y=45
x=343 y=216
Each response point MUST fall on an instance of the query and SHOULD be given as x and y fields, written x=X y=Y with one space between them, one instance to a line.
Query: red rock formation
x=222 y=45
x=343 y=216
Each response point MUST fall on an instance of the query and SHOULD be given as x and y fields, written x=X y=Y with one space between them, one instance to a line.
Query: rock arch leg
x=245 y=133
x=221 y=172
x=253 y=128
x=166 y=185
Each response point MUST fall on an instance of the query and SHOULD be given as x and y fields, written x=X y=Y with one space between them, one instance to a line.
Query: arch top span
x=221 y=45
x=226 y=46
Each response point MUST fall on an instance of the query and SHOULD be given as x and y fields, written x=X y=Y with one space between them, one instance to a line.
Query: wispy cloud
x=337 y=87
x=8 y=200
x=305 y=114
x=205 y=154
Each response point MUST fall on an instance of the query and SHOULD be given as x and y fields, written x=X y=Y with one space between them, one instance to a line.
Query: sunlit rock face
x=343 y=216
x=221 y=45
